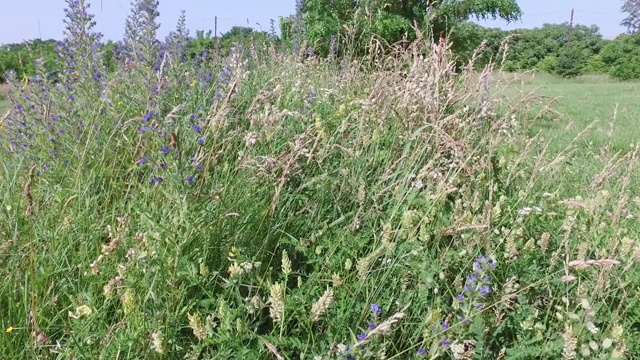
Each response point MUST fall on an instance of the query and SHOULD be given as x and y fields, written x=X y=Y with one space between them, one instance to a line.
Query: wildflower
x=371 y=325
x=446 y=342
x=82 y=310
x=156 y=179
x=143 y=160
x=375 y=309
x=157 y=342
x=321 y=306
x=422 y=352
x=197 y=326
x=276 y=309
x=190 y=179
x=198 y=167
x=444 y=325
x=197 y=128
x=147 y=116
x=484 y=290
x=164 y=150
x=9 y=330
x=460 y=297
x=361 y=336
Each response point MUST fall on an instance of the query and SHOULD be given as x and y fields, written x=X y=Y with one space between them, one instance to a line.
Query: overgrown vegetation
x=267 y=203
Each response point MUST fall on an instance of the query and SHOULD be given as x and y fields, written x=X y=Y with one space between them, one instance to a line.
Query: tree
x=392 y=21
x=571 y=62
x=541 y=48
x=622 y=56
x=632 y=9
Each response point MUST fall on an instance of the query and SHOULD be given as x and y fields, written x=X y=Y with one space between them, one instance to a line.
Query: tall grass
x=259 y=204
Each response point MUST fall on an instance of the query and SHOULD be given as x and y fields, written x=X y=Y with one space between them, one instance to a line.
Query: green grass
x=4 y=105
x=589 y=121
x=323 y=191
x=611 y=107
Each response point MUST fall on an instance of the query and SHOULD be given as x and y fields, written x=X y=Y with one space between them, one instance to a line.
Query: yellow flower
x=193 y=83
x=9 y=330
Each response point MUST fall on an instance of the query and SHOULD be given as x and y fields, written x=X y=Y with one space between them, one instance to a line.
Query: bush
x=548 y=64
x=571 y=62
x=621 y=57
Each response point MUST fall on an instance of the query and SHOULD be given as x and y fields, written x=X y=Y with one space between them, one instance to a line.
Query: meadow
x=264 y=204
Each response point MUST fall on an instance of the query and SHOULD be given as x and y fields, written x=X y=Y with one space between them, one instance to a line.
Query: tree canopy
x=632 y=9
x=391 y=21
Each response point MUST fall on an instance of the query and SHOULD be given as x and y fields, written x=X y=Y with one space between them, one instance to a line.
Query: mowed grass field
x=589 y=120
x=611 y=110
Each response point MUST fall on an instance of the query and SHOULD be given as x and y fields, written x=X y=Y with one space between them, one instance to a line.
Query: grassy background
x=587 y=120
x=611 y=107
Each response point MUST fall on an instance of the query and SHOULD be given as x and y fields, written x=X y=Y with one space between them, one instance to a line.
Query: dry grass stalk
x=462 y=229
x=382 y=328
x=582 y=264
x=27 y=191
x=272 y=349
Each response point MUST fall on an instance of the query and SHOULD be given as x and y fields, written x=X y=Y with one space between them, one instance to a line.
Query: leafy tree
x=622 y=56
x=534 y=48
x=203 y=41
x=392 y=21
x=571 y=62
x=467 y=37
x=632 y=9
x=243 y=35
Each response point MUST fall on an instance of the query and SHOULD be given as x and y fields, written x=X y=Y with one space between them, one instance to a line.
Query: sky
x=32 y=19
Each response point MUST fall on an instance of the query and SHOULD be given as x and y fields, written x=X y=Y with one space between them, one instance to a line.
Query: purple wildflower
x=375 y=309
x=143 y=160
x=422 y=352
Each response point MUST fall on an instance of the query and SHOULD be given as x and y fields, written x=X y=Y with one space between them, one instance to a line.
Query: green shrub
x=548 y=64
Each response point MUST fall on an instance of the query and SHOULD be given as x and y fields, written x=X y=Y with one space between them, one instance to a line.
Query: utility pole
x=215 y=27
x=570 y=29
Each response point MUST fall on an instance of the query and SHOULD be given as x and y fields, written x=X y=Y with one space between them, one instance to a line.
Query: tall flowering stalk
x=80 y=53
x=177 y=41
x=140 y=32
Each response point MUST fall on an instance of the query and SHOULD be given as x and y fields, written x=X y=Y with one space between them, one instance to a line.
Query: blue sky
x=30 y=19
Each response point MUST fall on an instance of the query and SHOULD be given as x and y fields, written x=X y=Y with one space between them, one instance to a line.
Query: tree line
x=346 y=28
